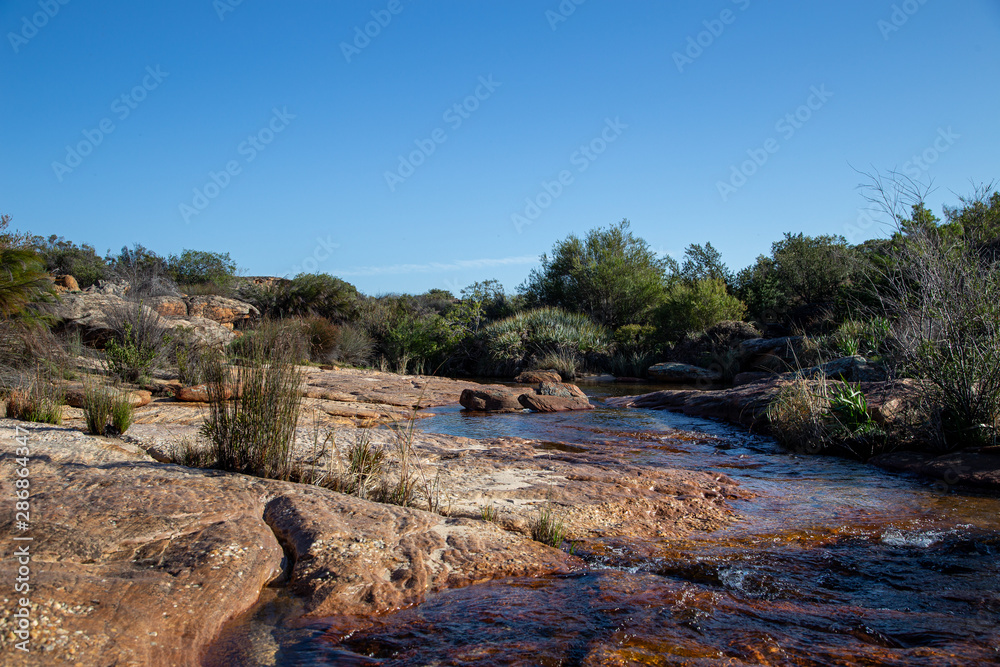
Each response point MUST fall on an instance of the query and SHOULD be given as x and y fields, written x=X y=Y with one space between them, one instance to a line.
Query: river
x=833 y=562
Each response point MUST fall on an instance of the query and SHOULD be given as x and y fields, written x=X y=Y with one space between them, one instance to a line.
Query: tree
x=23 y=278
x=199 y=267
x=702 y=262
x=145 y=272
x=611 y=275
x=65 y=258
x=696 y=306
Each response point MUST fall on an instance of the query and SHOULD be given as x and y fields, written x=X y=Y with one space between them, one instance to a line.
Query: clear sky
x=283 y=134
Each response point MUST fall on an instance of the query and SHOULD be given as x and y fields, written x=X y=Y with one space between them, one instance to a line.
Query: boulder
x=535 y=377
x=168 y=306
x=199 y=393
x=490 y=399
x=543 y=403
x=220 y=309
x=678 y=373
x=75 y=396
x=66 y=284
x=750 y=376
x=559 y=389
x=848 y=369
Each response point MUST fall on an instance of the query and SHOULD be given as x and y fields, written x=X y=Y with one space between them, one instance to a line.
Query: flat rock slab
x=140 y=563
x=962 y=468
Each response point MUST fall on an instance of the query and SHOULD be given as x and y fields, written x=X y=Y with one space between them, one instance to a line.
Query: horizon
x=455 y=143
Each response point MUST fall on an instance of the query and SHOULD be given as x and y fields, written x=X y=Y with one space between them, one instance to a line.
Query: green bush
x=64 y=257
x=322 y=337
x=253 y=433
x=107 y=410
x=307 y=294
x=633 y=338
x=198 y=267
x=354 y=347
x=528 y=335
x=140 y=342
x=697 y=306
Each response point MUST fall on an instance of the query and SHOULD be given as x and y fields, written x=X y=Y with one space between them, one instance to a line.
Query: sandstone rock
x=168 y=306
x=848 y=369
x=199 y=394
x=66 y=284
x=219 y=309
x=138 y=398
x=563 y=390
x=596 y=379
x=544 y=403
x=750 y=376
x=679 y=373
x=536 y=377
x=490 y=399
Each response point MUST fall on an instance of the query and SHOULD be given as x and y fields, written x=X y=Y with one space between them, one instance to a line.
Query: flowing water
x=832 y=563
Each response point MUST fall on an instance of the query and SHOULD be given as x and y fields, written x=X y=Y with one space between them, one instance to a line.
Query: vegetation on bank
x=923 y=304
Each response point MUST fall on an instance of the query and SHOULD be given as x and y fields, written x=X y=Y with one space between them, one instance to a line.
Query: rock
x=536 y=377
x=750 y=376
x=220 y=309
x=200 y=394
x=88 y=312
x=560 y=389
x=783 y=347
x=490 y=399
x=66 y=284
x=543 y=403
x=168 y=306
x=138 y=398
x=966 y=468
x=596 y=379
x=678 y=373
x=140 y=563
x=848 y=369
x=745 y=405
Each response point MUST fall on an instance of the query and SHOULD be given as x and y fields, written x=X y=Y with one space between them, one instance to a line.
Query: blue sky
x=283 y=134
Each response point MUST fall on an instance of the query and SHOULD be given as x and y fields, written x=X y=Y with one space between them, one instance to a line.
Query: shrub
x=354 y=347
x=64 y=257
x=530 y=334
x=548 y=528
x=253 y=433
x=284 y=336
x=200 y=268
x=193 y=361
x=697 y=306
x=321 y=336
x=145 y=272
x=307 y=294
x=139 y=344
x=36 y=400
x=636 y=338
x=23 y=280
x=106 y=410
x=631 y=364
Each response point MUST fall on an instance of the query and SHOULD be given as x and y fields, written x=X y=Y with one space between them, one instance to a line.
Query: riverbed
x=831 y=562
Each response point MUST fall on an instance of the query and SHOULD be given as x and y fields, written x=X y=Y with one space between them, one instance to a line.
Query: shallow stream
x=832 y=563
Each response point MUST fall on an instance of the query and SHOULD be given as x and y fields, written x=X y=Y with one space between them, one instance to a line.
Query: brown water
x=833 y=563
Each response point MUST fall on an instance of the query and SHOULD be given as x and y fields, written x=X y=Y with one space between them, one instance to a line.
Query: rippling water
x=833 y=563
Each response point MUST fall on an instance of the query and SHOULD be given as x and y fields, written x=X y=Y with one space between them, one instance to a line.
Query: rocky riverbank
x=139 y=561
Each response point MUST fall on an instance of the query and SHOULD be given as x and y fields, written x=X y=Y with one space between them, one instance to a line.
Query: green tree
x=696 y=306
x=702 y=262
x=23 y=278
x=65 y=258
x=198 y=267
x=612 y=275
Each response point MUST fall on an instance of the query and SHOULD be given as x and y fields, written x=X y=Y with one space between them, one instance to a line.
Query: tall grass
x=548 y=528
x=107 y=411
x=253 y=433
x=37 y=399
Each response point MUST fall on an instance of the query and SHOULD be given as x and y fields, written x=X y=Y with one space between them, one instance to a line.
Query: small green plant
x=490 y=513
x=365 y=466
x=849 y=406
x=548 y=528
x=107 y=410
x=37 y=400
x=189 y=454
x=122 y=413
